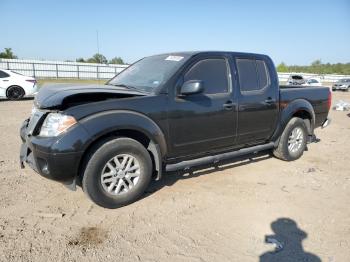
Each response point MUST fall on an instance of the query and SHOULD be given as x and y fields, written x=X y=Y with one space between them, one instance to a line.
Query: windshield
x=149 y=73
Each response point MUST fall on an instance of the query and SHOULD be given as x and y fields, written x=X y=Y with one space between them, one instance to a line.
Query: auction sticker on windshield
x=174 y=58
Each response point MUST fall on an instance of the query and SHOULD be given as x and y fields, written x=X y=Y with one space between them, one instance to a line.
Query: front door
x=204 y=122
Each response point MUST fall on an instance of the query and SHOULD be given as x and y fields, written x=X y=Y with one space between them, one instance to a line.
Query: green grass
x=42 y=82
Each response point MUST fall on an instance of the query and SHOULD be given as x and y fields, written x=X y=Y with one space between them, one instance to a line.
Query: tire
x=15 y=93
x=102 y=174
x=295 y=131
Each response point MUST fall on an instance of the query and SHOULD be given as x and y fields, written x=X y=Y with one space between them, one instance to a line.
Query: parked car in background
x=342 y=84
x=313 y=82
x=16 y=86
x=295 y=80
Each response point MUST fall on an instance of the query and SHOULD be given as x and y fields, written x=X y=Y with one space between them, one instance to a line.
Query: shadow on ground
x=287 y=239
x=4 y=99
x=170 y=178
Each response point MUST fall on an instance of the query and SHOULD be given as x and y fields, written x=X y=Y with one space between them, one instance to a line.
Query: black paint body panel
x=183 y=127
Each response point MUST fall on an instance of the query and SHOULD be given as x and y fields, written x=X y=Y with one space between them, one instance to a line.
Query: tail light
x=329 y=99
x=31 y=81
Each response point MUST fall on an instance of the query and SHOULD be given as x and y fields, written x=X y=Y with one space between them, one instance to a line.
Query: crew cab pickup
x=164 y=113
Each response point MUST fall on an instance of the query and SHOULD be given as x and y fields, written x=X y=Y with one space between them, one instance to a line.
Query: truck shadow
x=170 y=178
x=4 y=99
x=287 y=239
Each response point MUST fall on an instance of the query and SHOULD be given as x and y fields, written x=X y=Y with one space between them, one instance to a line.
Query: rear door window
x=253 y=74
x=263 y=76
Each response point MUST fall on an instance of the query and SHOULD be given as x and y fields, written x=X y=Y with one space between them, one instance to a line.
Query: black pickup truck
x=164 y=113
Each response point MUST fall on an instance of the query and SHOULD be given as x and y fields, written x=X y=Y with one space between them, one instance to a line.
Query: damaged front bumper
x=55 y=158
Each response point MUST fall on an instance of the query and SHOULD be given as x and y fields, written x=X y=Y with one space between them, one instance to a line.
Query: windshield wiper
x=123 y=85
x=128 y=87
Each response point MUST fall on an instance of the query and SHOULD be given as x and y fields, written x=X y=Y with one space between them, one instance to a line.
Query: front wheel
x=117 y=173
x=292 y=143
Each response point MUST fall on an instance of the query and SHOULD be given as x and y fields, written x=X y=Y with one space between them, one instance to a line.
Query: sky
x=295 y=32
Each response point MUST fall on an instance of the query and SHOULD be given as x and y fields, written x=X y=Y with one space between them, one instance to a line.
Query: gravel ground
x=220 y=214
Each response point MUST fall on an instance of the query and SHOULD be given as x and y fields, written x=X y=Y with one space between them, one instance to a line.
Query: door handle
x=5 y=80
x=228 y=105
x=269 y=100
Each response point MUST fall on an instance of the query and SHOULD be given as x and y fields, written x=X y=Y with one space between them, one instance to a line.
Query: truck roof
x=192 y=53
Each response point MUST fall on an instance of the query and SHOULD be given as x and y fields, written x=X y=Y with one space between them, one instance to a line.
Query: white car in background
x=16 y=86
x=313 y=82
x=295 y=80
x=342 y=84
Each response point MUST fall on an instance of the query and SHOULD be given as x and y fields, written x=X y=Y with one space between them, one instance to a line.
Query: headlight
x=56 y=124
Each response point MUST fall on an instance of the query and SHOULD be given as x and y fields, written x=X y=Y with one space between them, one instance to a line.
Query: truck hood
x=62 y=96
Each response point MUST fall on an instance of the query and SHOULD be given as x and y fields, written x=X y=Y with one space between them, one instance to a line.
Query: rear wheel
x=292 y=143
x=15 y=93
x=117 y=173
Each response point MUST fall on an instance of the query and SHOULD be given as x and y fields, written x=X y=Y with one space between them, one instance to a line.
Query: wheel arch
x=110 y=125
x=300 y=108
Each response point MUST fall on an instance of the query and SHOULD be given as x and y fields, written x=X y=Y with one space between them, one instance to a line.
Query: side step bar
x=217 y=158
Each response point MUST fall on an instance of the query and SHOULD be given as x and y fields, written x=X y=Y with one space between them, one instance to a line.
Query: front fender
x=100 y=124
x=291 y=109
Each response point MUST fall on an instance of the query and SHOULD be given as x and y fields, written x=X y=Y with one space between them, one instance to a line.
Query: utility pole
x=98 y=52
x=97 y=42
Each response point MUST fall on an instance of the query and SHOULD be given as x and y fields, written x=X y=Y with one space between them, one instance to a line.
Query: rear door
x=257 y=101
x=205 y=122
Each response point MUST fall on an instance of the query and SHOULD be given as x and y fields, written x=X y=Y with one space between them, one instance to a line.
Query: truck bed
x=317 y=96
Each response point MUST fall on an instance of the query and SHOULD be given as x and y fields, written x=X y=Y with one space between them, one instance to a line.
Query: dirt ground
x=210 y=215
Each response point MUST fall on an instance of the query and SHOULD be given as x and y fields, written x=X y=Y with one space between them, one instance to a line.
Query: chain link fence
x=324 y=78
x=74 y=70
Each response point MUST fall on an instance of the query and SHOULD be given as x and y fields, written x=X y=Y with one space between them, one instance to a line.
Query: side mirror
x=192 y=87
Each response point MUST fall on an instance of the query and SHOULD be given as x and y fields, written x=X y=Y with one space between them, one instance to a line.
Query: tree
x=282 y=68
x=316 y=63
x=8 y=54
x=117 y=60
x=97 y=58
x=80 y=60
x=316 y=66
